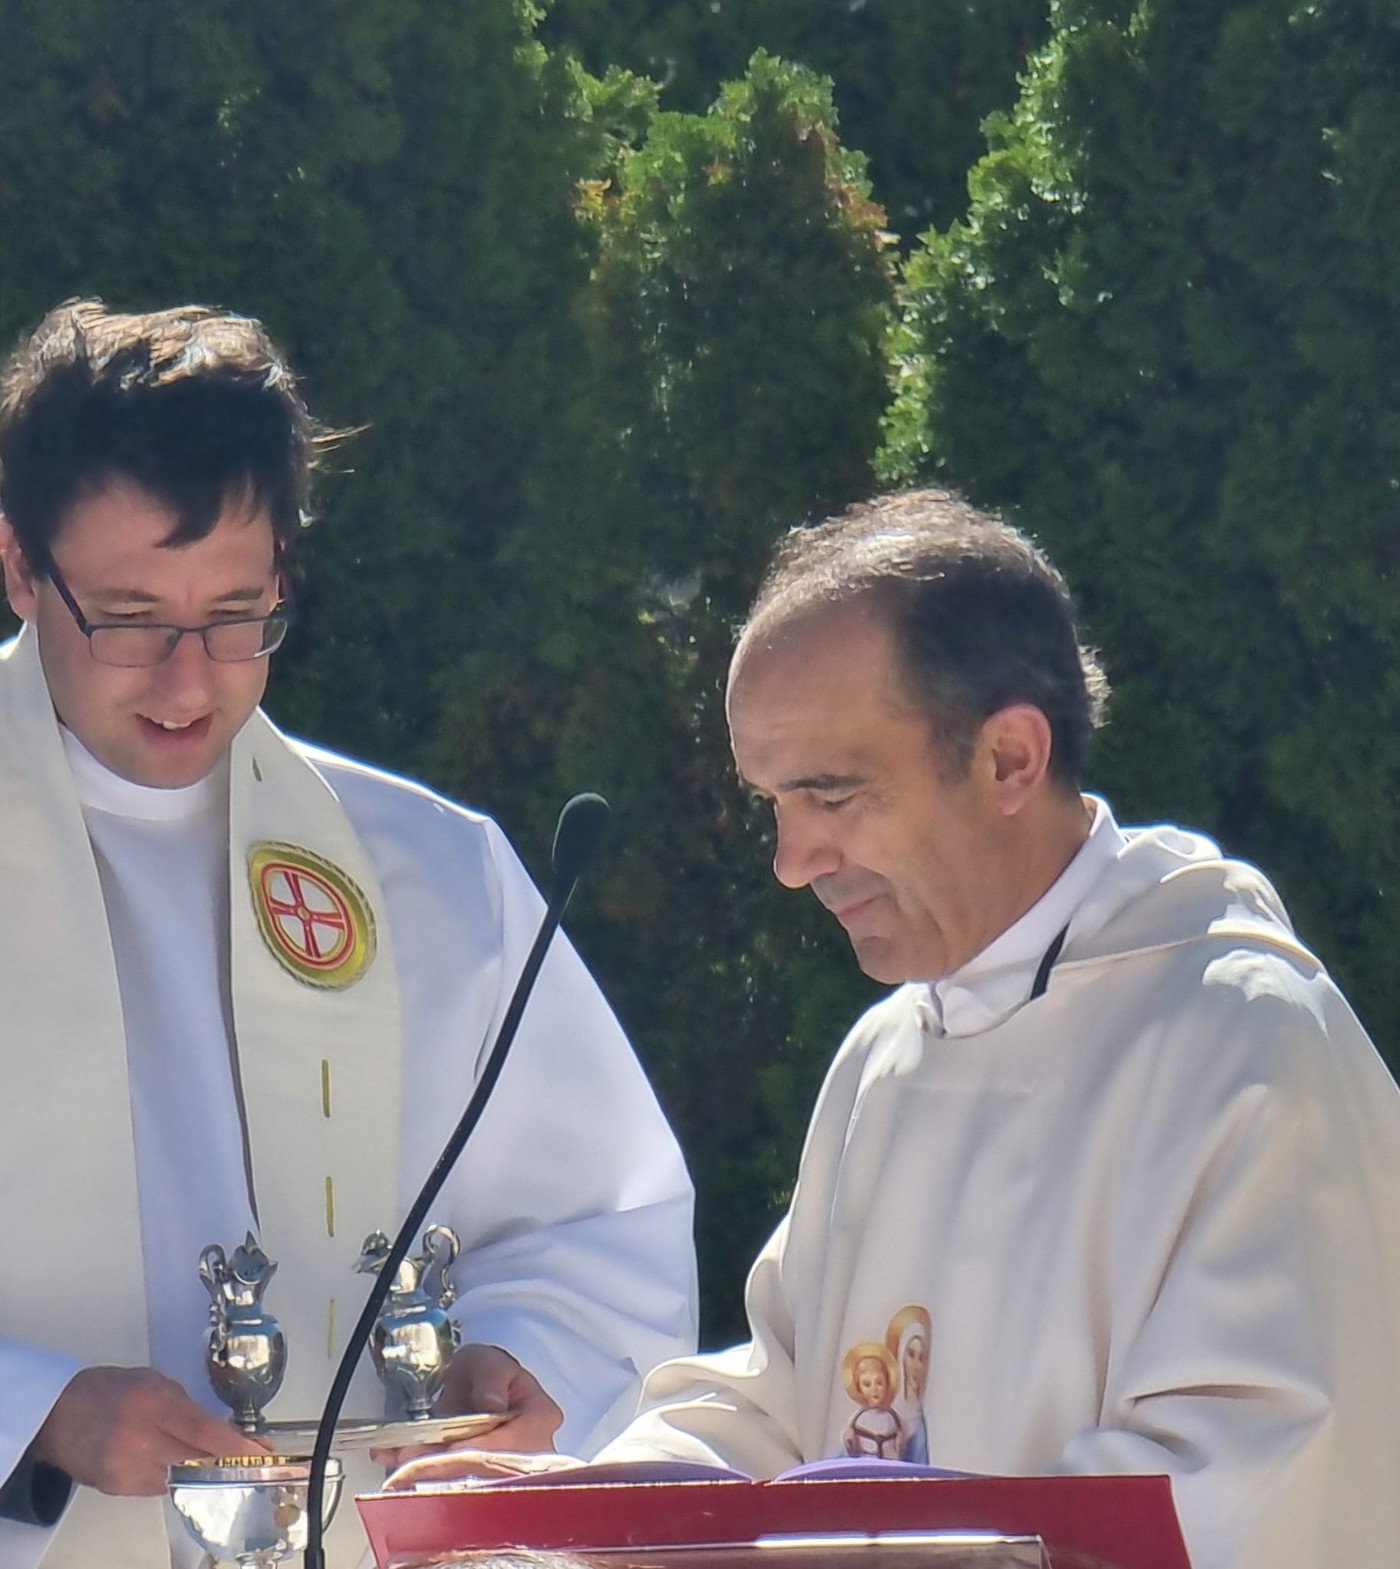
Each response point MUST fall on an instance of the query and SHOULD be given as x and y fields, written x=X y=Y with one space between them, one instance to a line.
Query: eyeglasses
x=145 y=643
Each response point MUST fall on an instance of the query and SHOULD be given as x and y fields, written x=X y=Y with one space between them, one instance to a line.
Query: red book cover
x=1128 y=1522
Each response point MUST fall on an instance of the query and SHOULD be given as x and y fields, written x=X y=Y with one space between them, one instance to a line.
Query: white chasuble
x=316 y=1052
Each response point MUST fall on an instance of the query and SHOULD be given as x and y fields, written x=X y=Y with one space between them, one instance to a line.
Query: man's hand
x=118 y=1429
x=477 y=1465
x=485 y=1378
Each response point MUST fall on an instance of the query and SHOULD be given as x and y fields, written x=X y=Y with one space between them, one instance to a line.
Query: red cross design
x=310 y=918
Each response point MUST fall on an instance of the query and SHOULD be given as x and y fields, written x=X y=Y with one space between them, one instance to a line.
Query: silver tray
x=297 y=1439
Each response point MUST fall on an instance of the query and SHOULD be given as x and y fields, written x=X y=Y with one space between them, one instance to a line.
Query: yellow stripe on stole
x=330 y=1203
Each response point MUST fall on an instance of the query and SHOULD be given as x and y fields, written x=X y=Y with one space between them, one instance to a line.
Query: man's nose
x=187 y=669
x=805 y=850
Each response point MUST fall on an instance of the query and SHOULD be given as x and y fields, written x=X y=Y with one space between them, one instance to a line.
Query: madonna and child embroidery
x=886 y=1380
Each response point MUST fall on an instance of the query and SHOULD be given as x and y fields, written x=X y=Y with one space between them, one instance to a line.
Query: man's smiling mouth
x=174 y=726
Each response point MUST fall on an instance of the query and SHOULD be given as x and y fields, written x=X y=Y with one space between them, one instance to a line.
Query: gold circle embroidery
x=313 y=918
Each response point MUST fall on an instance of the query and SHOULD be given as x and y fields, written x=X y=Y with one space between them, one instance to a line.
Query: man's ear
x=1017 y=742
x=19 y=579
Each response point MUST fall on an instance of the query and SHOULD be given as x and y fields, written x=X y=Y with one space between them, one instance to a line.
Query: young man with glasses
x=247 y=985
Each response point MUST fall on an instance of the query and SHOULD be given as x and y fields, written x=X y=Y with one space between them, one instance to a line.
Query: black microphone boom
x=576 y=840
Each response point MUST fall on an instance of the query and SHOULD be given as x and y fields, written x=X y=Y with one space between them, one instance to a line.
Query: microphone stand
x=576 y=838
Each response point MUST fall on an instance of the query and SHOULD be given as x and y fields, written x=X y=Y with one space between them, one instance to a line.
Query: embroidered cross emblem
x=315 y=921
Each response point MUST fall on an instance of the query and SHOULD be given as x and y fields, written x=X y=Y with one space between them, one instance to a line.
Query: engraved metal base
x=299 y=1438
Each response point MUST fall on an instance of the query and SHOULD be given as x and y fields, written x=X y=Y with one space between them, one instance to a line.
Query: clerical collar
x=996 y=982
x=99 y=789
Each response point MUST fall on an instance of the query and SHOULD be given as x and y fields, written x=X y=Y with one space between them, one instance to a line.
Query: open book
x=661 y=1511
x=453 y=1470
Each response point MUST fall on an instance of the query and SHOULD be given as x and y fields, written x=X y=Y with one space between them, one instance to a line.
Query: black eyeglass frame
x=275 y=624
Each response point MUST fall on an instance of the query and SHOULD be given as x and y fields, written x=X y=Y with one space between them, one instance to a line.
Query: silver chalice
x=250 y=1511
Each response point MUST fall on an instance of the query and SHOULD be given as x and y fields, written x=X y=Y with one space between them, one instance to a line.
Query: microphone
x=577 y=838
x=579 y=833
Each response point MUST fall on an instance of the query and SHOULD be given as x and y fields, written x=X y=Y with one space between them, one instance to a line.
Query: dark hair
x=980 y=616
x=193 y=404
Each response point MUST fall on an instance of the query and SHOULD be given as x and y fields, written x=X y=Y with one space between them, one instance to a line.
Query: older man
x=1111 y=1183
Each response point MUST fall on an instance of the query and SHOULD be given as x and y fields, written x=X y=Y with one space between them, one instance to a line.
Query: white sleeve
x=572 y=1200
x=1258 y=1367
x=31 y=1380
x=732 y=1408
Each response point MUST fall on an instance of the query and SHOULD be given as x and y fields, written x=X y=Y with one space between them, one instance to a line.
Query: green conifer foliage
x=1167 y=335
x=913 y=78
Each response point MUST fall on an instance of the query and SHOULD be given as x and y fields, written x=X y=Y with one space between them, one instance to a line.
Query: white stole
x=320 y=1077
